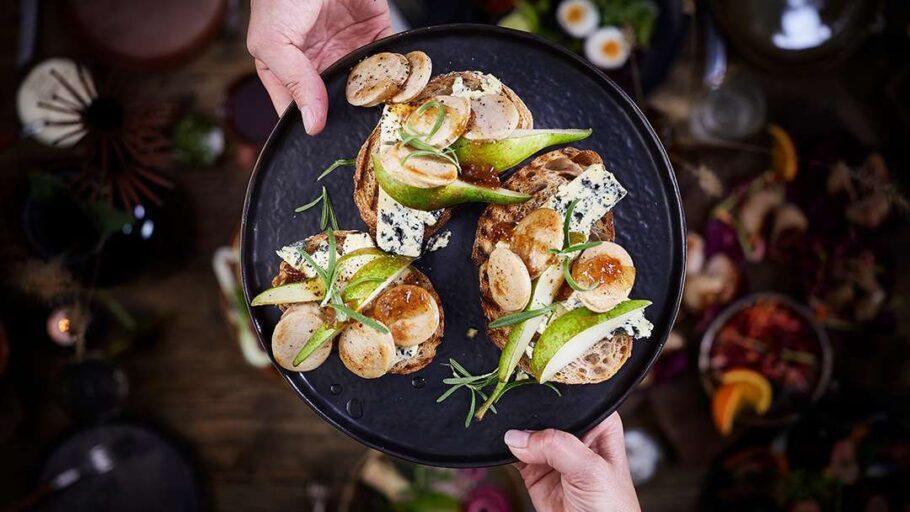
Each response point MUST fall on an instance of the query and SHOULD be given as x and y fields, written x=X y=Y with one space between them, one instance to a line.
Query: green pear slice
x=292 y=293
x=436 y=198
x=313 y=289
x=546 y=286
x=350 y=263
x=506 y=153
x=367 y=284
x=574 y=333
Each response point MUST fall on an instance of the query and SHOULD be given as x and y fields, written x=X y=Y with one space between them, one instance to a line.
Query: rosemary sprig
x=568 y=220
x=427 y=150
x=418 y=141
x=336 y=164
x=314 y=202
x=521 y=316
x=476 y=384
x=328 y=273
x=567 y=274
x=575 y=248
x=437 y=124
x=328 y=217
x=354 y=315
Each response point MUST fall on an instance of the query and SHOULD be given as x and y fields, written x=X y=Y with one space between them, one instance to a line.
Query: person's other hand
x=563 y=473
x=292 y=41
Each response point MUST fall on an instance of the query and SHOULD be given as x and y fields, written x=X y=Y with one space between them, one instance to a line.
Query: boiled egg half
x=578 y=17
x=607 y=48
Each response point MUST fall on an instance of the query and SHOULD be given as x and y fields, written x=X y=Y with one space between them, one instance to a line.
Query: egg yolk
x=611 y=49
x=575 y=14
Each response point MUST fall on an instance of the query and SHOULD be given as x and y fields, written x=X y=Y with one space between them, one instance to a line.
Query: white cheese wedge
x=597 y=191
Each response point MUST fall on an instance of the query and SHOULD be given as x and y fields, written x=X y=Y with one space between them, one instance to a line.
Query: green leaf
x=567 y=221
x=314 y=202
x=448 y=393
x=521 y=316
x=554 y=388
x=467 y=420
x=369 y=322
x=460 y=369
x=437 y=124
x=575 y=248
x=336 y=164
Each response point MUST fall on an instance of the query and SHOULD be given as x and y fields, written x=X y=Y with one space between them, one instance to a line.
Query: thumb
x=300 y=78
x=561 y=451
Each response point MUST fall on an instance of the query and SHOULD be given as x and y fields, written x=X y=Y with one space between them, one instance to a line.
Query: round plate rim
x=649 y=137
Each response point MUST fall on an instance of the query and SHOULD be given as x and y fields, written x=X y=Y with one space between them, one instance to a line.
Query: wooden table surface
x=255 y=442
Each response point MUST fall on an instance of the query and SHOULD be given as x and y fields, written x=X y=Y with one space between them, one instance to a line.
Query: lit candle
x=61 y=328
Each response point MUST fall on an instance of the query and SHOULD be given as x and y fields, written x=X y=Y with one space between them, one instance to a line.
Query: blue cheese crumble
x=597 y=191
x=405 y=353
x=399 y=229
x=291 y=255
x=439 y=241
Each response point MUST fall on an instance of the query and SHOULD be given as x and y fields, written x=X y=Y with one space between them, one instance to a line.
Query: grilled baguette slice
x=426 y=351
x=366 y=190
x=542 y=177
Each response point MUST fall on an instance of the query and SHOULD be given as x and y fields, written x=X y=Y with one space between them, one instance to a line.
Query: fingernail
x=517 y=438
x=309 y=118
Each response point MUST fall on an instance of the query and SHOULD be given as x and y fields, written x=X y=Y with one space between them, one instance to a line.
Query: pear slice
x=368 y=282
x=313 y=289
x=348 y=264
x=506 y=153
x=574 y=333
x=545 y=289
x=304 y=291
x=457 y=192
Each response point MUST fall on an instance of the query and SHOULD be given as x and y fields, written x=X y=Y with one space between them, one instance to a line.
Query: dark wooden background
x=255 y=443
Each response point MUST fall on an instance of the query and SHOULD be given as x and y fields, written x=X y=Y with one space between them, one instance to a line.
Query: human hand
x=292 y=41
x=563 y=473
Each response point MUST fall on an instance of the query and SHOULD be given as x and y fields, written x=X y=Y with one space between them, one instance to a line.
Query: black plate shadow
x=390 y=413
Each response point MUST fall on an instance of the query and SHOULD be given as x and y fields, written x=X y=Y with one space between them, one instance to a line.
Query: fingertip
x=516 y=438
x=315 y=111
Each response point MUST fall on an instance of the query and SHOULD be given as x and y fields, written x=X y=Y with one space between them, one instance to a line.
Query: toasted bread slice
x=426 y=351
x=366 y=190
x=542 y=177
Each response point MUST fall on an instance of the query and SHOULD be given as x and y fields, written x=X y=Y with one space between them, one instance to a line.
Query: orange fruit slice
x=783 y=153
x=726 y=404
x=756 y=388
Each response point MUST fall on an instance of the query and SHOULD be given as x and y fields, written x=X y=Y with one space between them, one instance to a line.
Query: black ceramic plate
x=395 y=413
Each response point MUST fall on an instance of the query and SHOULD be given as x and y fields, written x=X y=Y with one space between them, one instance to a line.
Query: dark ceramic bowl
x=398 y=414
x=824 y=353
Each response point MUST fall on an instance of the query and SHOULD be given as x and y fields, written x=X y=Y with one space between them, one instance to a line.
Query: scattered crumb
x=471 y=333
